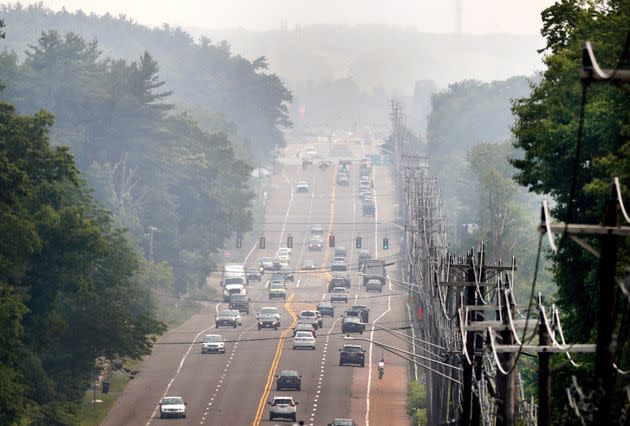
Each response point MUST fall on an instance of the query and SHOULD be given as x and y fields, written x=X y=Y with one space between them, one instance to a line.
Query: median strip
x=274 y=363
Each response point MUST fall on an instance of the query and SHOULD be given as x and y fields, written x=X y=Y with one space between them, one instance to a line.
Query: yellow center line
x=331 y=218
x=274 y=363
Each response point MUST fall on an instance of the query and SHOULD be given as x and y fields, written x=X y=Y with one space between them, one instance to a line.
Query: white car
x=265 y=262
x=284 y=407
x=339 y=294
x=301 y=186
x=172 y=406
x=212 y=343
x=270 y=310
x=284 y=250
x=304 y=339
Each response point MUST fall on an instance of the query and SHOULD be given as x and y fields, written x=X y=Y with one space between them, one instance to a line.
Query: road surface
x=233 y=388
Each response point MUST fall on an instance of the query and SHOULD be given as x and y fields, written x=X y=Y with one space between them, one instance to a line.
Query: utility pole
x=506 y=384
x=544 y=377
x=479 y=339
x=470 y=348
x=607 y=312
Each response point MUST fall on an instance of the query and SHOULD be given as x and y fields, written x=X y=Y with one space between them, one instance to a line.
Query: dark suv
x=352 y=325
x=339 y=280
x=364 y=312
x=326 y=309
x=352 y=354
x=240 y=302
x=268 y=321
x=289 y=379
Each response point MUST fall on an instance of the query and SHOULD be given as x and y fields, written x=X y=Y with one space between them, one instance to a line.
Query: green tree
x=546 y=132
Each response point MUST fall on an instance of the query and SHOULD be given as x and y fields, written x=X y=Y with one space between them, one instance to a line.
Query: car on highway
x=228 y=317
x=304 y=339
x=270 y=310
x=364 y=254
x=339 y=294
x=277 y=291
x=364 y=193
x=317 y=229
x=239 y=302
x=309 y=316
x=288 y=274
x=253 y=274
x=308 y=265
x=266 y=262
x=326 y=309
x=340 y=252
x=281 y=260
x=342 y=180
x=368 y=208
x=304 y=326
x=172 y=406
x=339 y=279
x=268 y=321
x=277 y=277
x=284 y=407
x=212 y=343
x=342 y=422
x=363 y=310
x=302 y=186
x=352 y=325
x=315 y=243
x=374 y=285
x=352 y=354
x=288 y=379
x=339 y=263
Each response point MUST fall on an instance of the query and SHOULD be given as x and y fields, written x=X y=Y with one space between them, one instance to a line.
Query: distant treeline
x=205 y=76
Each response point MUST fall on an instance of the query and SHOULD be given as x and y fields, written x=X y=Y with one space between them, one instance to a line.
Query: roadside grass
x=416 y=403
x=91 y=414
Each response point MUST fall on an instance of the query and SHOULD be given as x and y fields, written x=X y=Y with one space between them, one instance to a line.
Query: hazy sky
x=478 y=16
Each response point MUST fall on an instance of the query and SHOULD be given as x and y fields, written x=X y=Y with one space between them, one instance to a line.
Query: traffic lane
x=234 y=398
x=312 y=365
x=140 y=397
x=201 y=375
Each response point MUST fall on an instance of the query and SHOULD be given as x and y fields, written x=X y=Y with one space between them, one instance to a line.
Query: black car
x=253 y=274
x=239 y=302
x=352 y=325
x=339 y=280
x=268 y=321
x=289 y=379
x=352 y=354
x=326 y=309
x=364 y=312
x=288 y=275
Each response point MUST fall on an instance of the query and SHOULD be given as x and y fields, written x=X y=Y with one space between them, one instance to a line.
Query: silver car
x=284 y=407
x=304 y=339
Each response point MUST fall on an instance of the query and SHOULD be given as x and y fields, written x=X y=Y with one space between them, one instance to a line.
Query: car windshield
x=301 y=334
x=339 y=290
x=276 y=286
x=272 y=311
x=226 y=314
x=343 y=422
x=267 y=316
x=352 y=349
x=212 y=338
x=172 y=400
x=235 y=312
x=282 y=401
x=277 y=277
x=288 y=373
x=307 y=314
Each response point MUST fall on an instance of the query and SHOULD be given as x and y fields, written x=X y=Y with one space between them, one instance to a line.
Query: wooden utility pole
x=470 y=348
x=606 y=315
x=506 y=384
x=544 y=377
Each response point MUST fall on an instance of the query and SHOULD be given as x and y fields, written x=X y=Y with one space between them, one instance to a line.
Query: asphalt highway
x=233 y=388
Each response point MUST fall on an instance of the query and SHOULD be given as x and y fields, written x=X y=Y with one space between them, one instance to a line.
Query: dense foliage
x=546 y=132
x=68 y=289
x=203 y=75
x=150 y=166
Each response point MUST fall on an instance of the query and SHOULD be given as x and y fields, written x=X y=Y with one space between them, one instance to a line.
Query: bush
x=416 y=403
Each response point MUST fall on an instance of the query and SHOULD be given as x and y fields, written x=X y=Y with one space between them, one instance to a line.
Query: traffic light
x=358 y=242
x=385 y=243
x=261 y=243
x=290 y=241
x=239 y=241
x=331 y=241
